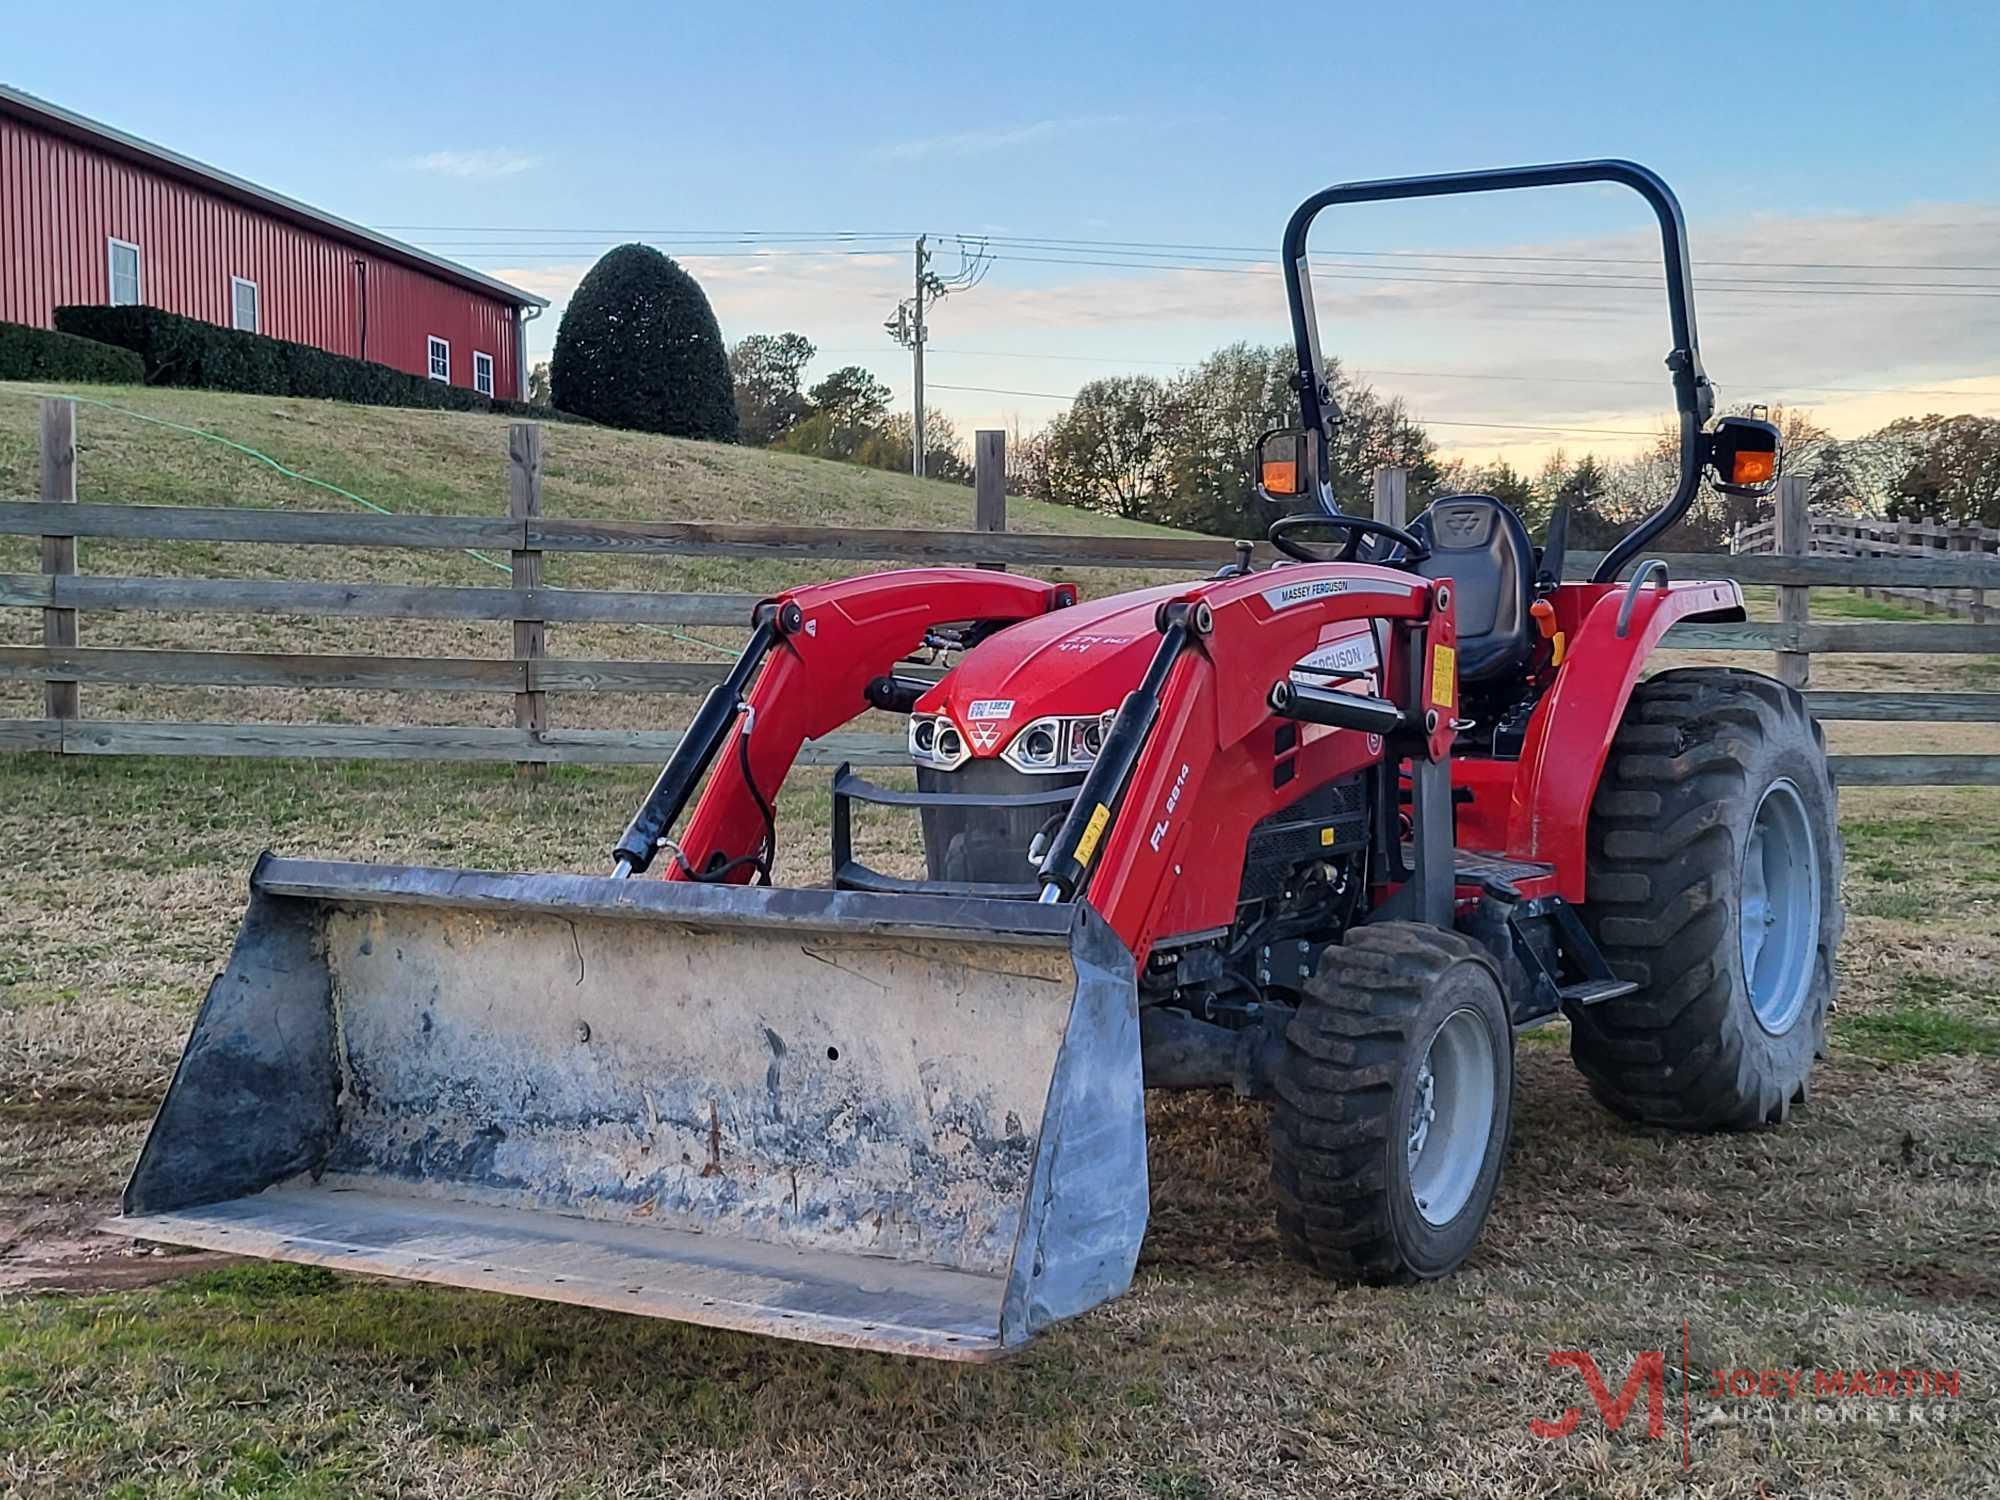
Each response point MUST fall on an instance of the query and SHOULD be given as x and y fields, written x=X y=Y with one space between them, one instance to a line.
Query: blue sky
x=526 y=140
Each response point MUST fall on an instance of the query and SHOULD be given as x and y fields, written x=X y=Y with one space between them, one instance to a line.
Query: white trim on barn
x=482 y=373
x=437 y=358
x=111 y=249
x=237 y=285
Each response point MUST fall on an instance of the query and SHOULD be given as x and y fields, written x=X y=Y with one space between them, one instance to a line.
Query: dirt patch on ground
x=59 y=1247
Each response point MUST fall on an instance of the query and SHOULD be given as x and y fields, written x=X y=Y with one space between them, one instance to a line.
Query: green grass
x=1917 y=1031
x=1761 y=602
x=1928 y=1016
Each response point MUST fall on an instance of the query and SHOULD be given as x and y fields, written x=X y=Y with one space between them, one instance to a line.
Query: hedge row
x=189 y=352
x=43 y=354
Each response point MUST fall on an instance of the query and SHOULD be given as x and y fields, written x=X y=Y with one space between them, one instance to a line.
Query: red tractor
x=1328 y=832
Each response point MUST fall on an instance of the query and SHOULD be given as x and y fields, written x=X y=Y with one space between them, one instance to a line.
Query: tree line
x=639 y=347
x=1177 y=451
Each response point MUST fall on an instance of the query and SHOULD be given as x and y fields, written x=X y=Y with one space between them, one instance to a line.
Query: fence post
x=524 y=469
x=989 y=484
x=1793 y=538
x=1392 y=496
x=1972 y=542
x=61 y=700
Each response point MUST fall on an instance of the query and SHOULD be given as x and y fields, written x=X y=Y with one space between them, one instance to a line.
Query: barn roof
x=68 y=123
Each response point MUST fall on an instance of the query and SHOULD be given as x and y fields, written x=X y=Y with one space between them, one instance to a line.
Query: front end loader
x=1328 y=832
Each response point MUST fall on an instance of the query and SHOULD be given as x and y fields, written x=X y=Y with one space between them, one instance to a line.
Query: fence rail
x=175 y=523
x=1941 y=567
x=1791 y=552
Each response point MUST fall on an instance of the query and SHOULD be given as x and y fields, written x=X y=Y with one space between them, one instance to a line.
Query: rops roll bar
x=1694 y=397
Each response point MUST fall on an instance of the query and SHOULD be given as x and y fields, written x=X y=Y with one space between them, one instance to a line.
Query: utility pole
x=917 y=360
x=908 y=328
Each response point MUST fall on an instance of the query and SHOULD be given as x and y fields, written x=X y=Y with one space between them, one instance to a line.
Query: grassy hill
x=144 y=446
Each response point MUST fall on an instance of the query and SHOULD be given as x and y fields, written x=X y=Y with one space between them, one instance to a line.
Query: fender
x=1569 y=737
x=849 y=633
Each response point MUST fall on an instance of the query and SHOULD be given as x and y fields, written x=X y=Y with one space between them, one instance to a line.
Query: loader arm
x=829 y=641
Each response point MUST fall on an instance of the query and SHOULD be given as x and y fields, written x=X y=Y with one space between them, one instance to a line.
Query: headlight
x=1058 y=743
x=935 y=741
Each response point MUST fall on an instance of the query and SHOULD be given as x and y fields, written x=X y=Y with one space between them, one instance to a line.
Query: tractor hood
x=1083 y=660
x=1077 y=661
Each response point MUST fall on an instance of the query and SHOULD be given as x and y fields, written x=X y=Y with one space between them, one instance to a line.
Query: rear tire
x=1395 y=1101
x=1714 y=884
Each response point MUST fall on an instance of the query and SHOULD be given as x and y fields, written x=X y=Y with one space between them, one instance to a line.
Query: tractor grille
x=987 y=845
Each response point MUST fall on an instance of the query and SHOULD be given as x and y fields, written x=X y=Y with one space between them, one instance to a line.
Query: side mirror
x=1743 y=452
x=1287 y=463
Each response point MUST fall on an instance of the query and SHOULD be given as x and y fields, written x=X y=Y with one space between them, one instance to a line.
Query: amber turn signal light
x=1751 y=467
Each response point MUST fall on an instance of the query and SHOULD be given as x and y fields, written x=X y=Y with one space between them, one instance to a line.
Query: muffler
x=907 y=1123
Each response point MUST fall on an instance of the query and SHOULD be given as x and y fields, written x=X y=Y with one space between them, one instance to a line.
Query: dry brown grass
x=1863 y=1235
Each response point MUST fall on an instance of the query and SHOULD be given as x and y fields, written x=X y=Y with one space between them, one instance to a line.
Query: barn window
x=243 y=304
x=482 y=373
x=125 y=286
x=440 y=358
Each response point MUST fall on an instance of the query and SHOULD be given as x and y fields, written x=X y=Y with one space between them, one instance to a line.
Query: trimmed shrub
x=179 y=351
x=639 y=348
x=43 y=354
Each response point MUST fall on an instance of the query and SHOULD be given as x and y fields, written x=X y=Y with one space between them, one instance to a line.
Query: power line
x=1145 y=246
x=1326 y=270
x=1140 y=246
x=1418 y=421
x=1761 y=288
x=1516 y=377
x=1628 y=278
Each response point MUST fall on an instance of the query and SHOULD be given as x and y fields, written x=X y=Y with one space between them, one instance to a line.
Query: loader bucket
x=907 y=1123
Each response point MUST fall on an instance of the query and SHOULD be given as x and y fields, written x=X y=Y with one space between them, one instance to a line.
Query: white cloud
x=476 y=166
x=998 y=138
x=1584 y=355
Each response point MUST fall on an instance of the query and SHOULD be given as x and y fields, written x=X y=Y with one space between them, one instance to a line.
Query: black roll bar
x=1694 y=397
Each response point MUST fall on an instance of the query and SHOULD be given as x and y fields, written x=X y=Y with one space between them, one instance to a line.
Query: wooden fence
x=1876 y=537
x=64 y=593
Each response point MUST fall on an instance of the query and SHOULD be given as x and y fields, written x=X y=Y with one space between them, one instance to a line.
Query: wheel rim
x=1778 y=917
x=1451 y=1116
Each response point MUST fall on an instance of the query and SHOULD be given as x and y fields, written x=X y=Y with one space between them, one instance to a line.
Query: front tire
x=1714 y=884
x=1395 y=1102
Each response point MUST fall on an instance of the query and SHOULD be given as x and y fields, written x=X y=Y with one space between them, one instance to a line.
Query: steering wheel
x=1356 y=527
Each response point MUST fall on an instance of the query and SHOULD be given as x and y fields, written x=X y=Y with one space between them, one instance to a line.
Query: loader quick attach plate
x=895 y=1122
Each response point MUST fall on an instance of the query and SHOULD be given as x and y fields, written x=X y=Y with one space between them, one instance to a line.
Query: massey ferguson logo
x=1290 y=594
x=985 y=732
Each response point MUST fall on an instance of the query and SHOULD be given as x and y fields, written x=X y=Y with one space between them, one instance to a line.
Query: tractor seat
x=1483 y=548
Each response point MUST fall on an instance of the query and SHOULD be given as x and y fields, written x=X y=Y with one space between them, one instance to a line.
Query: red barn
x=89 y=214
